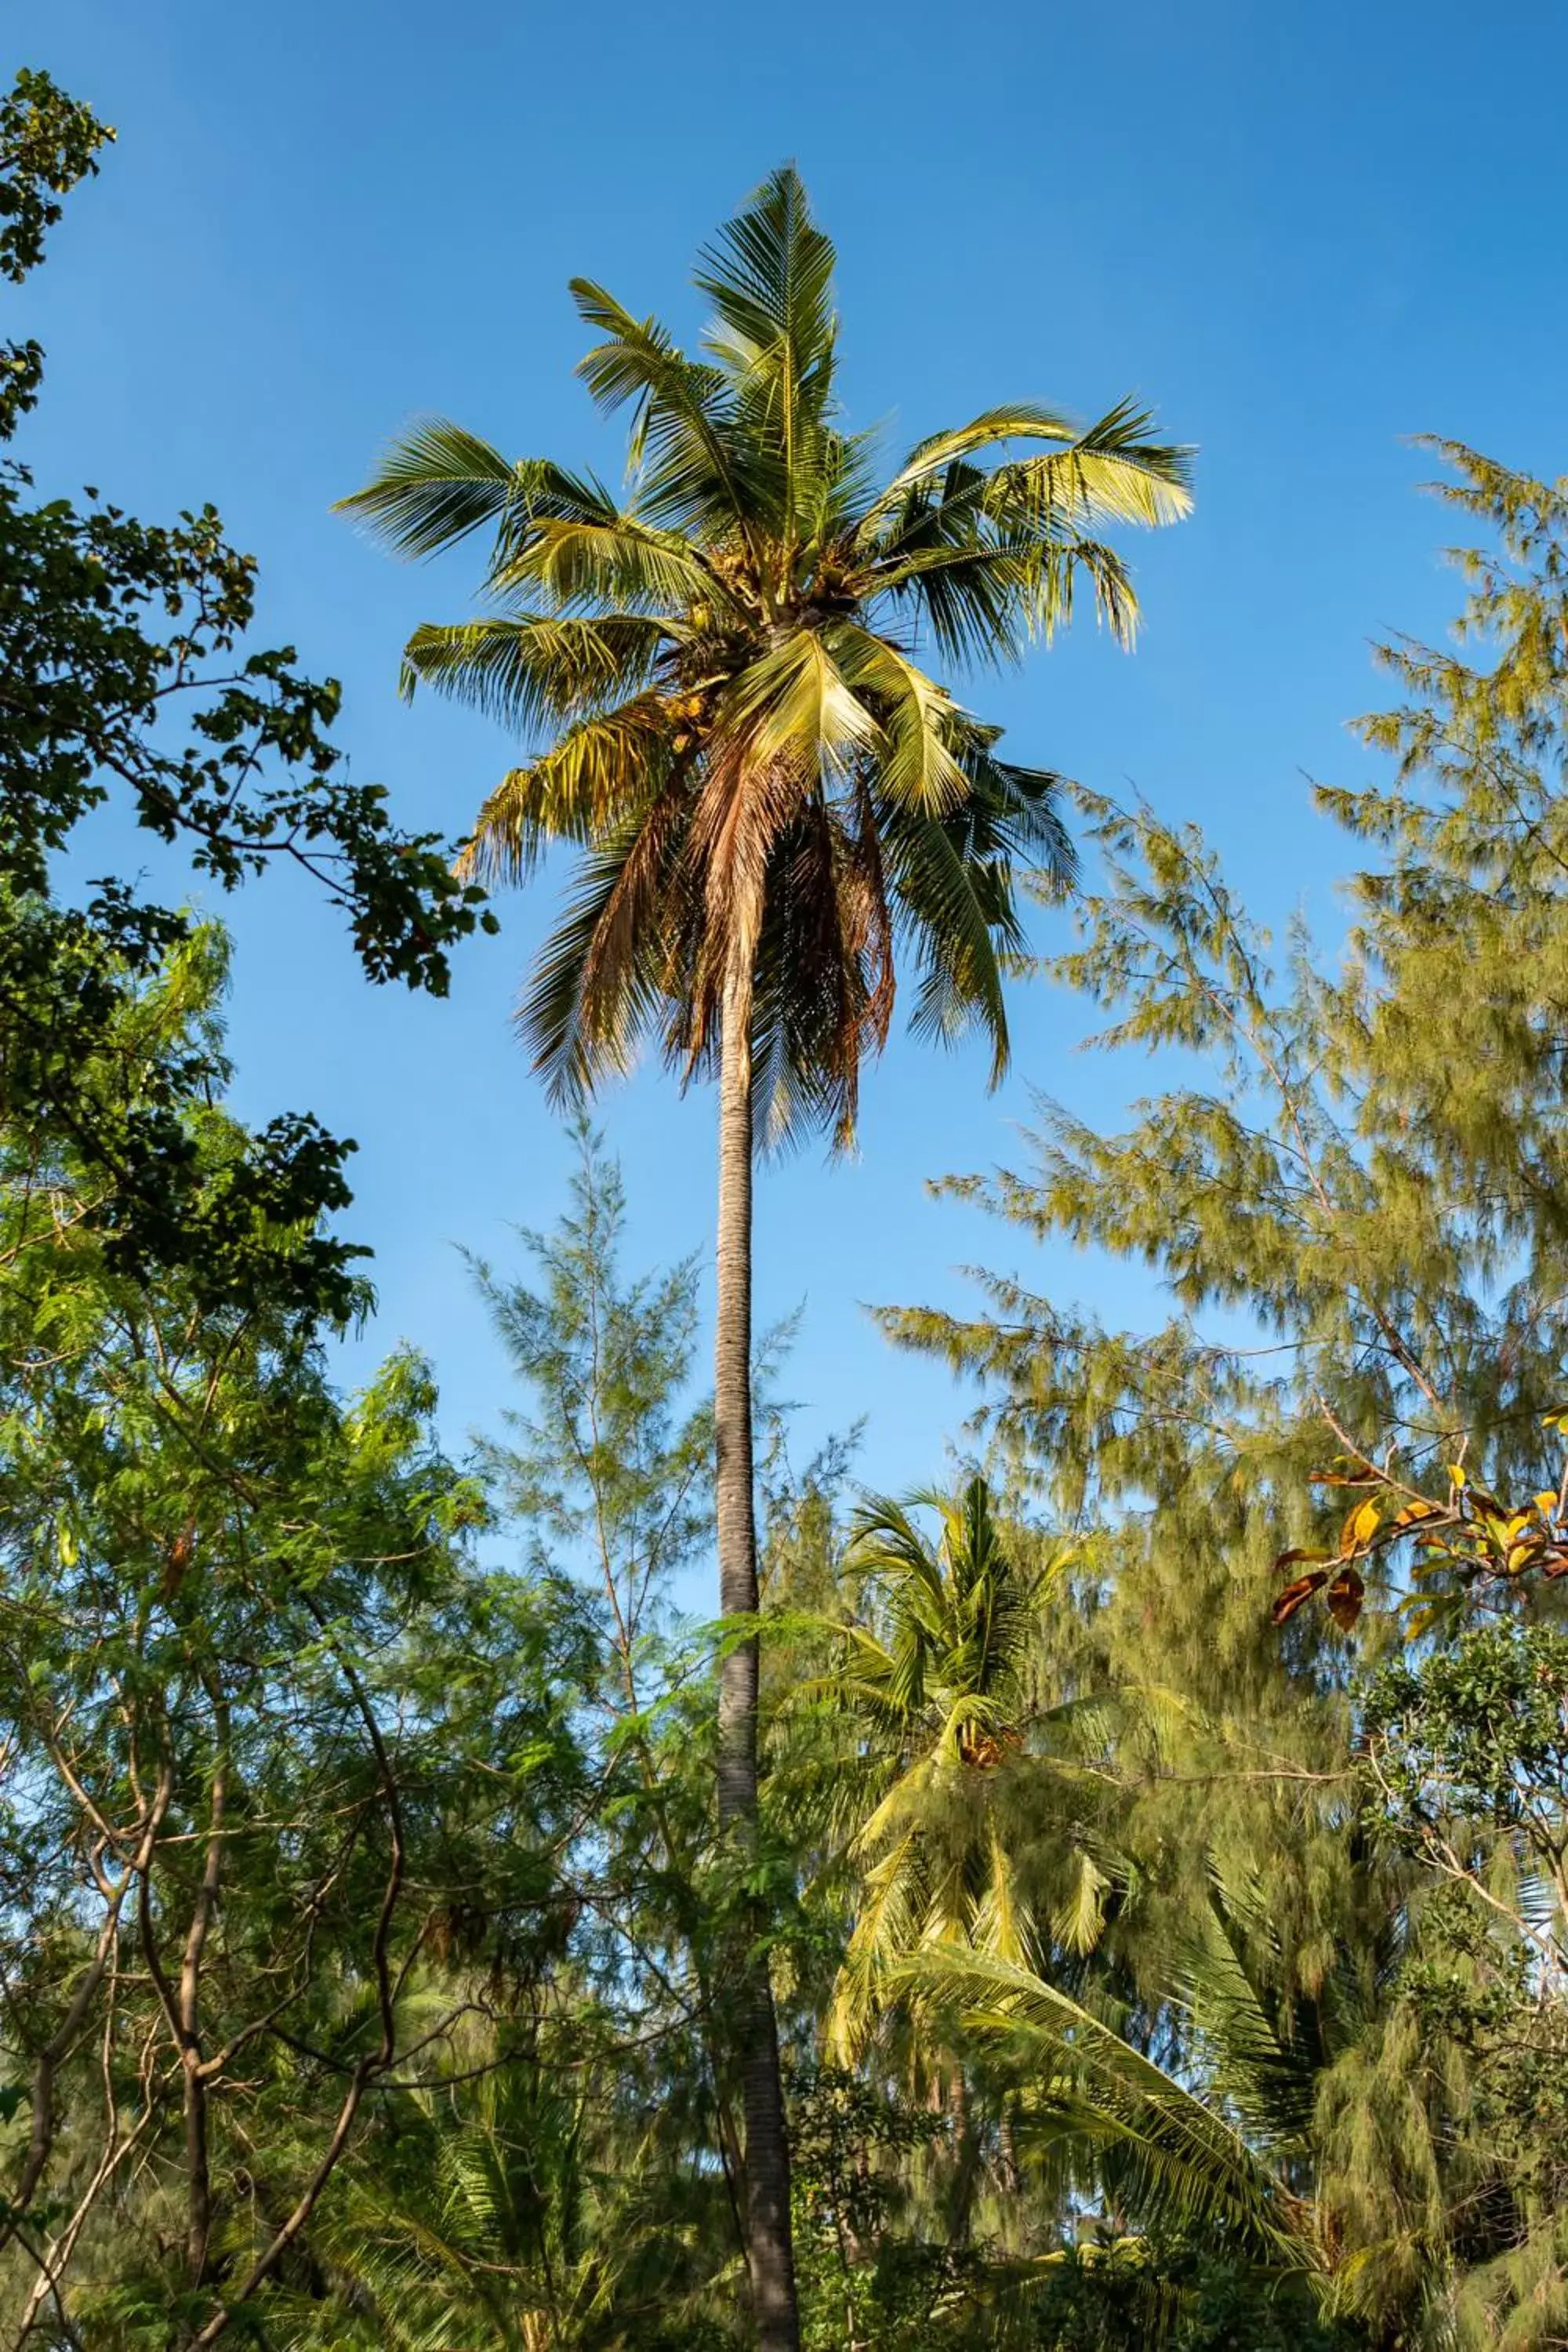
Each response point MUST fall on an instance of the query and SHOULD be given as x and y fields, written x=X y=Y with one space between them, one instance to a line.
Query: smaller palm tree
x=528 y=2218
x=942 y=1686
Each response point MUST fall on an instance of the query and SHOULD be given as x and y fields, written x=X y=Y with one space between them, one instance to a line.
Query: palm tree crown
x=940 y=1685
x=950 y=1672
x=724 y=669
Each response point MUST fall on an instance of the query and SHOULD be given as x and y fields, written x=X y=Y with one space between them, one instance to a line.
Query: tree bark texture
x=769 y=2251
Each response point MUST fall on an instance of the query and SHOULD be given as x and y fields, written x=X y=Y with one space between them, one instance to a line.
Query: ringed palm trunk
x=769 y=2254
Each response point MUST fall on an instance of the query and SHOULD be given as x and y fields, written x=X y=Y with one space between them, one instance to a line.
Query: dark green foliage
x=47 y=144
x=867 y=2275
x=289 y=1779
x=123 y=673
x=1466 y=1769
x=1477 y=1735
x=1119 y=2294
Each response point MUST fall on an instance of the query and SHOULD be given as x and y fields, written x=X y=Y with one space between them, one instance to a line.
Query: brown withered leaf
x=179 y=1558
x=1294 y=1556
x=1344 y=1598
x=1291 y=1599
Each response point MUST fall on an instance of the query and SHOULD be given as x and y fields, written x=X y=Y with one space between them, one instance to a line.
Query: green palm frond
x=1112 y=471
x=793 y=705
x=692 y=474
x=769 y=277
x=597 y=768
x=584 y=563
x=978 y=601
x=940 y=1682
x=731 y=655
x=436 y=484
x=1268 y=2082
x=938 y=452
x=1180 y=2159
x=535 y=669
x=949 y=908
x=918 y=721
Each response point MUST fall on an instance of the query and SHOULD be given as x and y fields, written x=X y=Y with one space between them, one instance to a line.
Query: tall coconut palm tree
x=773 y=797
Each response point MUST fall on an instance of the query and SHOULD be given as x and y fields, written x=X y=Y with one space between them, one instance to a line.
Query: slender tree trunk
x=769 y=2254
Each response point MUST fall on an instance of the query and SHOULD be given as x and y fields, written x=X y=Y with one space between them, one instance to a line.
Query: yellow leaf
x=67 y=1542
x=1546 y=1503
x=1457 y=1473
x=1359 y=1528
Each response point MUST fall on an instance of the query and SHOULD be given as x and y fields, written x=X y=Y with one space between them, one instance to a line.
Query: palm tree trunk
x=769 y=2254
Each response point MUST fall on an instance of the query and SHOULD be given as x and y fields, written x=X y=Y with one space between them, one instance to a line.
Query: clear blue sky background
x=1299 y=231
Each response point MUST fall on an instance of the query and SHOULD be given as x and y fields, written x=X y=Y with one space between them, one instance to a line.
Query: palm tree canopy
x=940 y=1685
x=949 y=1671
x=723 y=672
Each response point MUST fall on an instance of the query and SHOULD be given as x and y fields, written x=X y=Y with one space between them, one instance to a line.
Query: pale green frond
x=1001 y=1924
x=618 y=561
x=770 y=278
x=436 y=484
x=949 y=1905
x=884 y=1927
x=842 y=477
x=1181 y=2145
x=916 y=765
x=793 y=705
x=1113 y=471
x=903 y=1802
x=1052 y=595
x=768 y=275
x=535 y=669
x=991 y=429
x=692 y=474
x=882 y=1534
x=599 y=773
x=1078 y=1918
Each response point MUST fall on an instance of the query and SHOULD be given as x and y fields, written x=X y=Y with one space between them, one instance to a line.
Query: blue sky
x=1300 y=232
